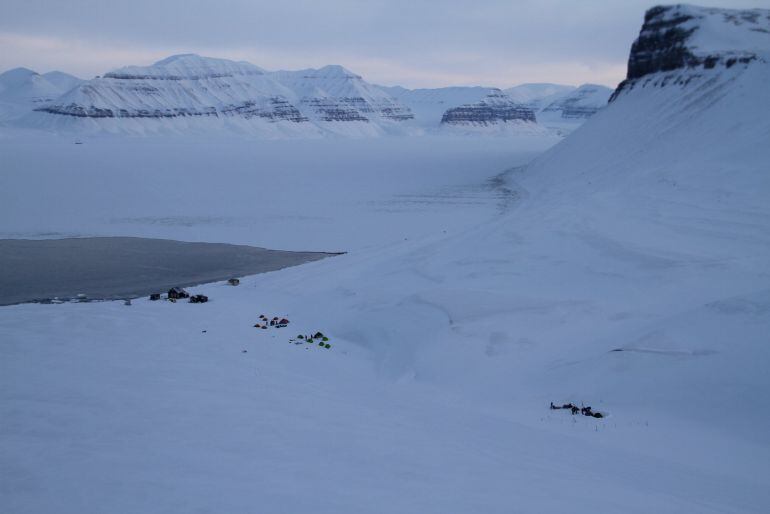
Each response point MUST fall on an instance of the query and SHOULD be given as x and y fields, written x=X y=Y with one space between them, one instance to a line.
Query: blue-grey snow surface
x=627 y=268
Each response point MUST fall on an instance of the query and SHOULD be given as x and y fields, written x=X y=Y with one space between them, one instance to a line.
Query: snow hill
x=22 y=89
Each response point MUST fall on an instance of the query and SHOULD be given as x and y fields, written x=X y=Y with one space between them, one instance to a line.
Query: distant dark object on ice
x=233 y=281
x=175 y=293
x=574 y=409
x=127 y=302
x=199 y=298
x=155 y=297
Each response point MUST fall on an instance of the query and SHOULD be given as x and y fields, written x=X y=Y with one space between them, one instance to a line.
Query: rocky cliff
x=680 y=42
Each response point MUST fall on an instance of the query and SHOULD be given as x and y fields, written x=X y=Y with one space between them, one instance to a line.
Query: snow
x=722 y=31
x=22 y=89
x=188 y=66
x=538 y=95
x=63 y=81
x=429 y=105
x=572 y=109
x=627 y=267
x=194 y=95
x=331 y=194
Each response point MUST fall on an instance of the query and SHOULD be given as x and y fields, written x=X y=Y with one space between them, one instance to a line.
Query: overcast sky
x=413 y=43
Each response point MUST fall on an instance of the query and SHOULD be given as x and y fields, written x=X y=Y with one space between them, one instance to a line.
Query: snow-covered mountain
x=190 y=92
x=429 y=105
x=673 y=194
x=581 y=104
x=22 y=89
x=333 y=93
x=538 y=96
x=492 y=109
x=560 y=107
x=554 y=106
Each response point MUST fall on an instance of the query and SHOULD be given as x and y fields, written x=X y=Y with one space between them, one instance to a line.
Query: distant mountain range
x=190 y=93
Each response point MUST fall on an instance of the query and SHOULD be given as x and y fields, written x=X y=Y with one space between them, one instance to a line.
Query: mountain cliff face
x=494 y=108
x=682 y=42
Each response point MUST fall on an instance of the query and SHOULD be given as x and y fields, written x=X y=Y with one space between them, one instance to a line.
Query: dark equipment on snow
x=175 y=293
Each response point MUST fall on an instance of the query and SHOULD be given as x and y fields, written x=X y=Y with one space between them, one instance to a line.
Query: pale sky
x=413 y=43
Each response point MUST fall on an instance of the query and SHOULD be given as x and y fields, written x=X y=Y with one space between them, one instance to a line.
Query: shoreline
x=116 y=268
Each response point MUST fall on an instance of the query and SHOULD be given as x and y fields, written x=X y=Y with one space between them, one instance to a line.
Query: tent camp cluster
x=323 y=341
x=275 y=322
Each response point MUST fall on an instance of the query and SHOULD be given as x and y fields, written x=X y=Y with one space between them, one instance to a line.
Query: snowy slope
x=673 y=191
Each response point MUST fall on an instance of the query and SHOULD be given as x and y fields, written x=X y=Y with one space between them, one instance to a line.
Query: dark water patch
x=107 y=268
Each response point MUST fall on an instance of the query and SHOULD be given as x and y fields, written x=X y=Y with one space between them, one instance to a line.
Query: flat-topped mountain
x=495 y=107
